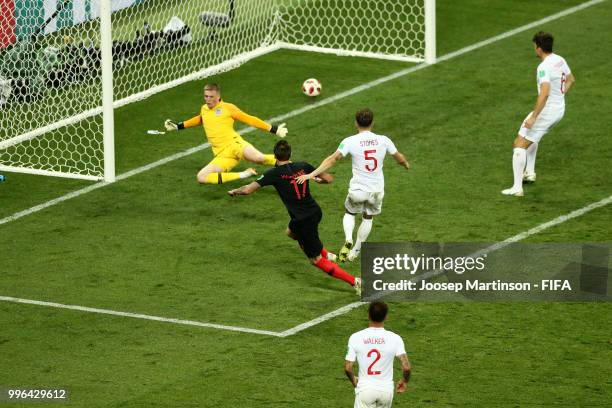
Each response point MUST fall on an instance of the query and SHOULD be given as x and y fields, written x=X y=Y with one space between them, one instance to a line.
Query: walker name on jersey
x=374 y=340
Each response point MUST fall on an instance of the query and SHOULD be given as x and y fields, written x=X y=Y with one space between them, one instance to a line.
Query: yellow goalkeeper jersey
x=218 y=124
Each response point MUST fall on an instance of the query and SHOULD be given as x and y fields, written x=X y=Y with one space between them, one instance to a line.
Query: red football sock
x=324 y=253
x=335 y=270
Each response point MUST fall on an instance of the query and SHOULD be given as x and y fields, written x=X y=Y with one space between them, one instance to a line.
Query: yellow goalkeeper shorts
x=230 y=156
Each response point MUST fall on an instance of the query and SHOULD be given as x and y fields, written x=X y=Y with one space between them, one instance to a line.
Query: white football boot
x=513 y=192
x=529 y=178
x=354 y=254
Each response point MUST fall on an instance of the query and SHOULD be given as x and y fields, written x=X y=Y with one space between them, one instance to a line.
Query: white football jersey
x=368 y=151
x=375 y=349
x=554 y=70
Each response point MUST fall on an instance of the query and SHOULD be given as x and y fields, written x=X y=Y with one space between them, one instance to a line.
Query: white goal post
x=66 y=65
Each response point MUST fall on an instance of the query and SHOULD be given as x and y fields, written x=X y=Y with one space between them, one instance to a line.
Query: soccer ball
x=311 y=87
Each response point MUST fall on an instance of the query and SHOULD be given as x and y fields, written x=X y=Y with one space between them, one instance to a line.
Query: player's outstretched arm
x=348 y=370
x=401 y=160
x=402 y=384
x=244 y=190
x=324 y=178
x=280 y=130
x=171 y=125
x=325 y=165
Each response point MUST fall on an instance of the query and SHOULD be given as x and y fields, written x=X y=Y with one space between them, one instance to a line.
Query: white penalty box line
x=321 y=319
x=347 y=308
x=139 y=316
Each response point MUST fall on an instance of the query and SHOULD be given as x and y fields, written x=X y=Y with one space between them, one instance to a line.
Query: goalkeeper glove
x=171 y=125
x=280 y=130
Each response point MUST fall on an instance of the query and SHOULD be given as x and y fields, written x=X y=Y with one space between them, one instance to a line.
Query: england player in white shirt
x=367 y=187
x=375 y=349
x=554 y=79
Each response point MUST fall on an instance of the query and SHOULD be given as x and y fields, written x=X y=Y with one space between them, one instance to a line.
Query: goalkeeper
x=217 y=118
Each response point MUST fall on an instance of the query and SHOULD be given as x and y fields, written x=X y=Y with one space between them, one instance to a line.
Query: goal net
x=54 y=110
x=387 y=29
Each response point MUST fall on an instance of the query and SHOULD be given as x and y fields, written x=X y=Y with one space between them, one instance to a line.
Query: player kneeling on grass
x=367 y=187
x=304 y=211
x=217 y=118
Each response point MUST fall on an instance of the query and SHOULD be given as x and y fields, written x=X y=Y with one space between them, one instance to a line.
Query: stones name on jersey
x=368 y=143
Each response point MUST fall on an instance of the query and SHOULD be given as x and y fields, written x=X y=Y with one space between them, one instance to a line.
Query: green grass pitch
x=159 y=244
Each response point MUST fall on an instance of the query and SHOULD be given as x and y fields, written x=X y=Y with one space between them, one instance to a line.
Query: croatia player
x=554 y=80
x=375 y=349
x=367 y=187
x=304 y=211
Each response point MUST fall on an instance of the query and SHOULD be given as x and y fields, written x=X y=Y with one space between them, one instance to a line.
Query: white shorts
x=359 y=201
x=373 y=398
x=542 y=125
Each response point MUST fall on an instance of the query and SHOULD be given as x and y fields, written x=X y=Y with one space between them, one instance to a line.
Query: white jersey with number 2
x=375 y=350
x=368 y=151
